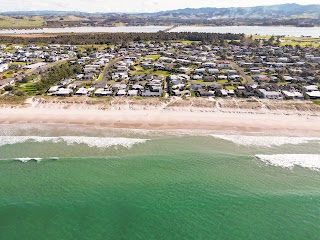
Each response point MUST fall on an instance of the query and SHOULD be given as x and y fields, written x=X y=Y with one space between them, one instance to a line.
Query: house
x=223 y=92
x=179 y=93
x=209 y=65
x=133 y=93
x=205 y=93
x=121 y=92
x=82 y=92
x=183 y=70
x=102 y=92
x=63 y=92
x=4 y=67
x=313 y=95
x=293 y=95
x=222 y=77
x=158 y=66
x=136 y=87
x=200 y=70
x=231 y=72
x=178 y=86
x=197 y=77
x=270 y=94
x=53 y=89
x=235 y=77
x=223 y=65
x=148 y=93
x=310 y=88
x=213 y=71
x=261 y=78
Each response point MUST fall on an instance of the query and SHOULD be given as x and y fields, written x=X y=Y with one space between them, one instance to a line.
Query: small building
x=101 y=92
x=148 y=93
x=205 y=93
x=293 y=95
x=4 y=67
x=82 y=92
x=313 y=95
x=63 y=92
x=310 y=88
x=121 y=92
x=133 y=93
x=270 y=94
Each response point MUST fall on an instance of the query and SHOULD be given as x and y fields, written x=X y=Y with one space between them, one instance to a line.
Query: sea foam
x=27 y=159
x=99 y=142
x=310 y=161
x=265 y=141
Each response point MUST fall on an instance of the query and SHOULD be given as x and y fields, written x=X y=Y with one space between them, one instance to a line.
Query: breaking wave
x=99 y=142
x=27 y=159
x=310 y=161
x=265 y=141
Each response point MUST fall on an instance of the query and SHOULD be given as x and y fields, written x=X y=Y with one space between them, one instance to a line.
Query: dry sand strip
x=162 y=119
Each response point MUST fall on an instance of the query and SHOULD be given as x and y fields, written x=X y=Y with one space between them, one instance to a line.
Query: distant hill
x=273 y=11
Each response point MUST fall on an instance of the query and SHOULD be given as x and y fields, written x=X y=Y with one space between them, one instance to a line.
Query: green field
x=17 y=22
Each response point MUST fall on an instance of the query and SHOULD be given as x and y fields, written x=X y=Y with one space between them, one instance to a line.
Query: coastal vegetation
x=56 y=74
x=116 y=38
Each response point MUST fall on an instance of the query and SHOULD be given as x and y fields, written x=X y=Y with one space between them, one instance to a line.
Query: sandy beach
x=172 y=115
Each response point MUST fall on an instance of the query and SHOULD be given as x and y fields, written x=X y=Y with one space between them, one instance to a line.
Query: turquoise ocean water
x=167 y=187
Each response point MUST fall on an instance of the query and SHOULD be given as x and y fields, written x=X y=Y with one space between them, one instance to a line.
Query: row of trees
x=116 y=38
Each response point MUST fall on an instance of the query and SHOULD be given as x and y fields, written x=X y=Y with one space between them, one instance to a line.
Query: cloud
x=131 y=5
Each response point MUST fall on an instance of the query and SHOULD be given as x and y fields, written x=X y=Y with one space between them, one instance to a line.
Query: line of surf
x=309 y=161
x=99 y=142
x=265 y=141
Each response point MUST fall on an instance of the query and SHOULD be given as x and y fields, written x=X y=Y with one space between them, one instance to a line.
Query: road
x=242 y=73
x=103 y=82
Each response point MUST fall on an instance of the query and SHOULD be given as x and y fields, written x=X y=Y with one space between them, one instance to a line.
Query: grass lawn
x=202 y=82
x=7 y=74
x=222 y=81
x=18 y=63
x=153 y=57
x=301 y=43
x=187 y=42
x=317 y=102
x=230 y=88
x=161 y=73
x=140 y=70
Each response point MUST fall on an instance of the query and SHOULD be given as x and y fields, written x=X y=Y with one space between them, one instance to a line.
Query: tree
x=8 y=88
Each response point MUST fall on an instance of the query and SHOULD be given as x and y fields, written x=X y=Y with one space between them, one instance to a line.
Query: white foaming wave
x=99 y=142
x=310 y=161
x=27 y=159
x=265 y=141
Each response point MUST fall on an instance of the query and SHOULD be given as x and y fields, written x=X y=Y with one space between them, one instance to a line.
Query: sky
x=133 y=5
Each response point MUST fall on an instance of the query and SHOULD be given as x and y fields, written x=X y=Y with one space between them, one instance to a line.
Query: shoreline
x=164 y=118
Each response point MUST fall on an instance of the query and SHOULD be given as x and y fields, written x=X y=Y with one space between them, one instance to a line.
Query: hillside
x=274 y=11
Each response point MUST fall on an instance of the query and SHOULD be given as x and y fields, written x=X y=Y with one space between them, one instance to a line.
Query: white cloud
x=132 y=5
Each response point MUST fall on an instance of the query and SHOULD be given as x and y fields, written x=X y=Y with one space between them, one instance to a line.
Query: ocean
x=88 y=183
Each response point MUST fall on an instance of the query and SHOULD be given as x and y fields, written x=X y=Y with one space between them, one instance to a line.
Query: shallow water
x=171 y=186
x=85 y=30
x=252 y=30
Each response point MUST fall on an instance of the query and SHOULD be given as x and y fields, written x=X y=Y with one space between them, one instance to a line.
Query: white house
x=4 y=67
x=270 y=94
